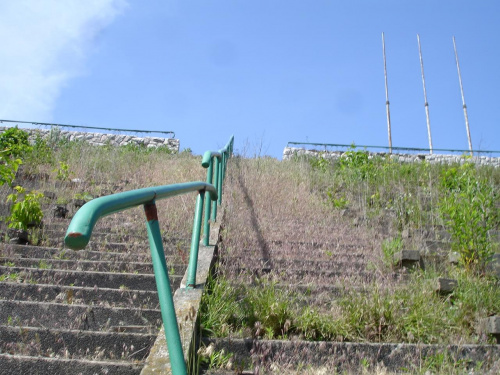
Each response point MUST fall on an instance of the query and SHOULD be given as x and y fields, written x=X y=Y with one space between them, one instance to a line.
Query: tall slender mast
x=387 y=98
x=426 y=104
x=463 y=98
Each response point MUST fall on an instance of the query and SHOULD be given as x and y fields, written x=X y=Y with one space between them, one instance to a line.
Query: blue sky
x=267 y=71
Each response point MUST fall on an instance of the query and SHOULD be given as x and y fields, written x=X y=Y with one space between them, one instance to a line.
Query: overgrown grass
x=315 y=200
x=75 y=169
x=412 y=312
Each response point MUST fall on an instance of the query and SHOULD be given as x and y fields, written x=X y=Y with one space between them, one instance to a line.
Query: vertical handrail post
x=220 y=179
x=195 y=241
x=164 y=291
x=208 y=204
x=216 y=184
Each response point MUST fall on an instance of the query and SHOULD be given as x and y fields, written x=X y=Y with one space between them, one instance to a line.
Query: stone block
x=436 y=247
x=409 y=258
x=491 y=326
x=446 y=286
x=454 y=258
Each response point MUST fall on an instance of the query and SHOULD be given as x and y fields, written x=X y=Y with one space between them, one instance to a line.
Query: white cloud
x=44 y=44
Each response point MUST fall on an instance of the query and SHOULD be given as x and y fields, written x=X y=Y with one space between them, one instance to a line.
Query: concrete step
x=294 y=356
x=344 y=253
x=102 y=246
x=82 y=265
x=74 y=317
x=15 y=365
x=27 y=251
x=84 y=278
x=59 y=232
x=322 y=268
x=291 y=263
x=75 y=344
x=304 y=276
x=129 y=298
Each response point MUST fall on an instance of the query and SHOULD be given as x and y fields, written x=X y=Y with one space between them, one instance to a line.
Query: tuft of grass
x=390 y=247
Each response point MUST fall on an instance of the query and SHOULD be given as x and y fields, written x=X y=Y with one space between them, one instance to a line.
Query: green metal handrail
x=81 y=226
x=215 y=176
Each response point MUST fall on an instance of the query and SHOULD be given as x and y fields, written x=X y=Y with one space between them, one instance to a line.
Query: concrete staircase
x=93 y=311
x=269 y=235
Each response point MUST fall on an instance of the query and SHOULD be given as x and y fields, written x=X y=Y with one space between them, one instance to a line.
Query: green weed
x=212 y=359
x=26 y=209
x=14 y=142
x=390 y=248
x=62 y=172
x=8 y=168
x=468 y=208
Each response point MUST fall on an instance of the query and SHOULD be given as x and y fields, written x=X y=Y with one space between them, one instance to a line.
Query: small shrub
x=15 y=142
x=320 y=163
x=41 y=153
x=389 y=249
x=63 y=173
x=26 y=209
x=468 y=209
x=8 y=168
x=336 y=200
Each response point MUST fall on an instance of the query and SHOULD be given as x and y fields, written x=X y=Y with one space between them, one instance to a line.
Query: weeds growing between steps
x=73 y=171
x=385 y=199
x=412 y=313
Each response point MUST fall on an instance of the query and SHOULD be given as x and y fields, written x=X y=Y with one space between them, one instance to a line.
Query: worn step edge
x=343 y=356
x=66 y=316
x=87 y=278
x=288 y=261
x=87 y=265
x=129 y=298
x=63 y=343
x=50 y=252
x=15 y=365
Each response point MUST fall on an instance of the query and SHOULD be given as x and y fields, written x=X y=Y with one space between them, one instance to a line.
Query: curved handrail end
x=76 y=240
x=207 y=157
x=212 y=191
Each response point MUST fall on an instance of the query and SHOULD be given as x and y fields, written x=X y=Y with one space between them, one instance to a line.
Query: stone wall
x=289 y=152
x=100 y=139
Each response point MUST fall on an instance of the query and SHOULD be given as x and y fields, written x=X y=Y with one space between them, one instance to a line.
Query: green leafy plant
x=389 y=249
x=320 y=163
x=41 y=153
x=358 y=161
x=8 y=168
x=215 y=359
x=15 y=142
x=84 y=196
x=337 y=201
x=26 y=209
x=468 y=208
x=63 y=172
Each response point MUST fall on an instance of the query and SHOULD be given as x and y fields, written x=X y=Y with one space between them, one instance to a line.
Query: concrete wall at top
x=289 y=152
x=101 y=139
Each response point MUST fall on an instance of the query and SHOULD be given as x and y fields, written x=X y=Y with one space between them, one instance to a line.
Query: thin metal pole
x=195 y=241
x=463 y=97
x=387 y=98
x=208 y=205
x=172 y=335
x=216 y=183
x=426 y=104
